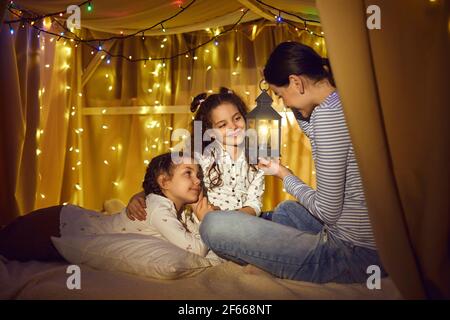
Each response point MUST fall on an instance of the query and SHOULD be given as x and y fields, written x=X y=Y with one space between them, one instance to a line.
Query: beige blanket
x=37 y=280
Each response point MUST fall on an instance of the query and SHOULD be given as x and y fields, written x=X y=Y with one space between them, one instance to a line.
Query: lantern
x=263 y=130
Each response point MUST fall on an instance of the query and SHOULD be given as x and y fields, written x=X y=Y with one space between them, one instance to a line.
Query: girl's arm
x=253 y=204
x=163 y=218
x=248 y=210
x=136 y=207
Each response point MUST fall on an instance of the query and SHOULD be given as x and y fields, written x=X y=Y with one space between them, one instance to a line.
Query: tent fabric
x=114 y=16
x=394 y=86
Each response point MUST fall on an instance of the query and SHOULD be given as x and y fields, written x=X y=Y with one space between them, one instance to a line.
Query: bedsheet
x=227 y=281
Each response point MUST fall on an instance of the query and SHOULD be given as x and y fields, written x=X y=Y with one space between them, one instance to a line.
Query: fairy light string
x=96 y=44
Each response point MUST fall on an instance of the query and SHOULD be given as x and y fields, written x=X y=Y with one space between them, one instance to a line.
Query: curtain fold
x=394 y=85
x=39 y=86
x=19 y=91
x=3 y=5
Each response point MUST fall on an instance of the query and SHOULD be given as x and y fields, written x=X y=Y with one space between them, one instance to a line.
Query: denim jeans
x=295 y=245
x=266 y=215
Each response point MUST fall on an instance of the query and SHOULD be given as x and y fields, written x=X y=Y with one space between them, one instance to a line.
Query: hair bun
x=197 y=101
x=224 y=90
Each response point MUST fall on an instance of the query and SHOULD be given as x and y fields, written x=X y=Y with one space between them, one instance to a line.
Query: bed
x=227 y=281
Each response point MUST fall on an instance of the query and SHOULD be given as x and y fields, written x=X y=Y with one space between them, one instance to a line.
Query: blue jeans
x=294 y=245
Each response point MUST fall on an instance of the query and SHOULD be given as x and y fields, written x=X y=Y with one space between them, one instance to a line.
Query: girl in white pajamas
x=169 y=187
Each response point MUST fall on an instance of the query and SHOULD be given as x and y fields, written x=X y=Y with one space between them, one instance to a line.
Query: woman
x=325 y=236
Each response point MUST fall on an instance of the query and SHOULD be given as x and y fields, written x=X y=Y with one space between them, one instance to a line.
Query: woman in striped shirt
x=326 y=236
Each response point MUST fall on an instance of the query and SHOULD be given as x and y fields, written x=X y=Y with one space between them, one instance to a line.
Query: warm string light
x=216 y=33
x=279 y=19
x=88 y=41
x=32 y=17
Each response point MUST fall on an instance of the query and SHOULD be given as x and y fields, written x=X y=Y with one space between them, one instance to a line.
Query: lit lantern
x=263 y=130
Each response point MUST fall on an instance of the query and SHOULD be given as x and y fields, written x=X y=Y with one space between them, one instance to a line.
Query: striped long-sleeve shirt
x=339 y=200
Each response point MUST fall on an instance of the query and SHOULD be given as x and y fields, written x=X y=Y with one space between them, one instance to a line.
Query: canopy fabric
x=114 y=16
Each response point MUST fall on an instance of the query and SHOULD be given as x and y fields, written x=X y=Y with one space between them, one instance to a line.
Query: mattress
x=227 y=281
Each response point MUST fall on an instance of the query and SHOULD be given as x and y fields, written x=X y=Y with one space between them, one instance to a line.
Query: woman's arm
x=332 y=147
x=333 y=143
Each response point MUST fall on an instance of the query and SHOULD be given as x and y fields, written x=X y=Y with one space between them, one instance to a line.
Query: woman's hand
x=136 y=207
x=272 y=167
x=202 y=207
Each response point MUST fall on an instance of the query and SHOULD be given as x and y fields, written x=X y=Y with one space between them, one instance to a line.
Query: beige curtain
x=19 y=109
x=394 y=86
x=36 y=75
x=3 y=5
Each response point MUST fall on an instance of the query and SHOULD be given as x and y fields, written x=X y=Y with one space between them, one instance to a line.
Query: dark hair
x=159 y=165
x=293 y=58
x=203 y=105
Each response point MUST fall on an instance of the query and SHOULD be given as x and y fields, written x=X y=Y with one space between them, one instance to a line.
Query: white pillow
x=133 y=253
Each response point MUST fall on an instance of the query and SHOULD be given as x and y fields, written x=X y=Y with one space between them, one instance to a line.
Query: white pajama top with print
x=161 y=222
x=242 y=186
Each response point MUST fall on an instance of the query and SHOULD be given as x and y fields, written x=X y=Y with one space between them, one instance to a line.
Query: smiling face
x=229 y=124
x=183 y=186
